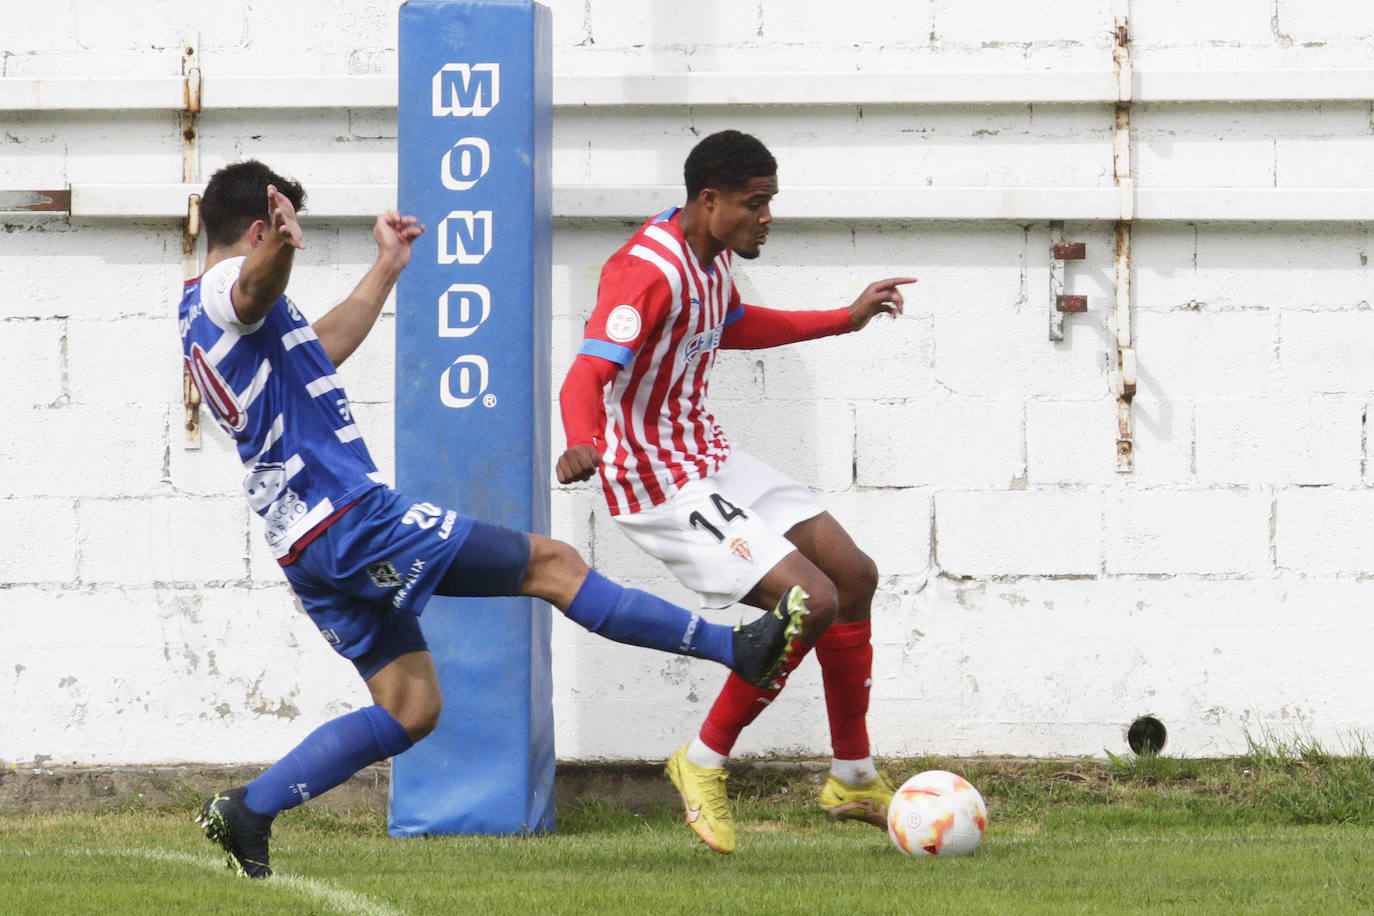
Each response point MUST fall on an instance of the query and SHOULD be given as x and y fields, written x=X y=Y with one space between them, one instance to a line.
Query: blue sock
x=638 y=618
x=328 y=755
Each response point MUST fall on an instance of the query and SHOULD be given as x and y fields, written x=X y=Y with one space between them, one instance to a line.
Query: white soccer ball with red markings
x=936 y=813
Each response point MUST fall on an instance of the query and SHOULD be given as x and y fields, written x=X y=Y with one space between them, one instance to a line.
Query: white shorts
x=720 y=535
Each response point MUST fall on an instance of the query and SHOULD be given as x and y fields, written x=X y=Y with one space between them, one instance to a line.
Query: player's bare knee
x=550 y=557
x=556 y=570
x=861 y=581
x=421 y=716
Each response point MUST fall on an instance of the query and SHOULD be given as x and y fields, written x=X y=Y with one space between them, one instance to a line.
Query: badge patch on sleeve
x=622 y=325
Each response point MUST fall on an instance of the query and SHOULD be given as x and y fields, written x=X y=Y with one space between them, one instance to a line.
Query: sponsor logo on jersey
x=447 y=527
x=265 y=484
x=282 y=517
x=216 y=391
x=740 y=548
x=269 y=496
x=399 y=599
x=622 y=325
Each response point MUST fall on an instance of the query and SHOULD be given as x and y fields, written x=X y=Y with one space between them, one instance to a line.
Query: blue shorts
x=367 y=577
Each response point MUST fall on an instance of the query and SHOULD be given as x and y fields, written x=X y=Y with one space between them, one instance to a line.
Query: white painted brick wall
x=1066 y=442
x=993 y=22
x=1180 y=356
x=1164 y=436
x=1324 y=531
x=942 y=441
x=38 y=541
x=1179 y=532
x=1326 y=352
x=1033 y=600
x=168 y=539
x=31 y=363
x=1174 y=22
x=1311 y=441
x=1011 y=532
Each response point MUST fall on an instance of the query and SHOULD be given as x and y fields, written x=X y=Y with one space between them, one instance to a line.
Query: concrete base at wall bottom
x=634 y=785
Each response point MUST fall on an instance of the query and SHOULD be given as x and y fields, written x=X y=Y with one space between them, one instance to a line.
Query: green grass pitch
x=1266 y=832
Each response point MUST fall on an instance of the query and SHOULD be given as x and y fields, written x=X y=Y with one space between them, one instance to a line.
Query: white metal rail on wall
x=726 y=89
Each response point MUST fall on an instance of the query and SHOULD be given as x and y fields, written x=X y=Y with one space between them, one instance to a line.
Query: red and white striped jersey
x=659 y=316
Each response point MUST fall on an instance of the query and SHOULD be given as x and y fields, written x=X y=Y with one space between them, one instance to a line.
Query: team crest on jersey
x=216 y=391
x=706 y=340
x=622 y=325
x=384 y=575
x=740 y=548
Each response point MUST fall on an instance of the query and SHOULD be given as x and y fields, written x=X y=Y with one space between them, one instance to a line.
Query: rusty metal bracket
x=190 y=174
x=37 y=201
x=1125 y=374
x=1061 y=251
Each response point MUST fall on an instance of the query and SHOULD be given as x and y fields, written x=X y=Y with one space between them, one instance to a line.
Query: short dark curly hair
x=727 y=161
x=237 y=196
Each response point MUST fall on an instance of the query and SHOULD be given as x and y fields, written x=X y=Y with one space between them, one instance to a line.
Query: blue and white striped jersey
x=273 y=389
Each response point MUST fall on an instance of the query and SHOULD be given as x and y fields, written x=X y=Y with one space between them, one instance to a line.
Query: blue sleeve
x=614 y=353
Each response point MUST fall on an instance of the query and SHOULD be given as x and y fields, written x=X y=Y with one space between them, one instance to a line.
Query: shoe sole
x=673 y=769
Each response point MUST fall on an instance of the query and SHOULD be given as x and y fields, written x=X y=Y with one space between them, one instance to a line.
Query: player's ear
x=708 y=197
x=256 y=232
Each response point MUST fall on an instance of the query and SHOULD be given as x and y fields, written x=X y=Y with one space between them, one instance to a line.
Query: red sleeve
x=632 y=299
x=580 y=400
x=757 y=328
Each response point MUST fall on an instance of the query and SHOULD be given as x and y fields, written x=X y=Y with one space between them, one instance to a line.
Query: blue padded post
x=472 y=393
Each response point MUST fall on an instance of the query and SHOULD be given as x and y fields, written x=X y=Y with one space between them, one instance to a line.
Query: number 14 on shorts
x=728 y=513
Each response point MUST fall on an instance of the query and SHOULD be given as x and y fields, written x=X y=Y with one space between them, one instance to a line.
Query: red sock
x=846 y=656
x=740 y=703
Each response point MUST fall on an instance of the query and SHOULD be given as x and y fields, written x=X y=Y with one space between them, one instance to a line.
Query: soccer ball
x=936 y=813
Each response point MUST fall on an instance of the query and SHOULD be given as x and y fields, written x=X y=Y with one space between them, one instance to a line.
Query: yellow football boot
x=865 y=802
x=703 y=798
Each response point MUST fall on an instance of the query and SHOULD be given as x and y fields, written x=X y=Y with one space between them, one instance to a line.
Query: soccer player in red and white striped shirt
x=729 y=526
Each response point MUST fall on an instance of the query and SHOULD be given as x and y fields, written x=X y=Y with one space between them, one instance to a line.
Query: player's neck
x=693 y=226
x=223 y=252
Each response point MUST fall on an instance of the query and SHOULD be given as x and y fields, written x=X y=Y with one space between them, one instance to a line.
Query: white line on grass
x=337 y=899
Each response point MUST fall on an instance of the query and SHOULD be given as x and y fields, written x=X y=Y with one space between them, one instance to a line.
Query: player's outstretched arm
x=267 y=268
x=347 y=324
x=879 y=297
